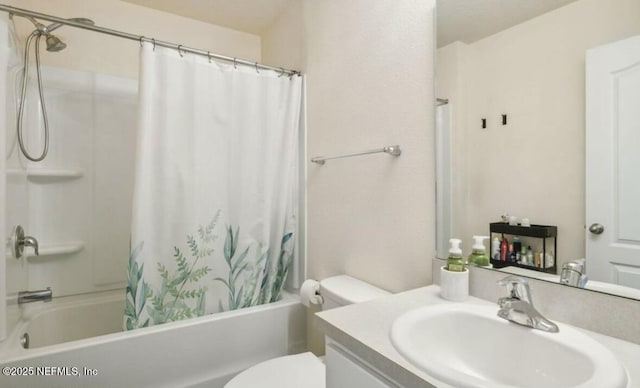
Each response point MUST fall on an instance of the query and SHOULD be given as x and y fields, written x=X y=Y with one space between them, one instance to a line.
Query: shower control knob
x=596 y=228
x=19 y=241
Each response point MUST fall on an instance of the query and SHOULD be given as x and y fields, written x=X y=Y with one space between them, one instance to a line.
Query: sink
x=468 y=345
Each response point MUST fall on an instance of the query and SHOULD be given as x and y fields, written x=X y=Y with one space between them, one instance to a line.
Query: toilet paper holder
x=310 y=293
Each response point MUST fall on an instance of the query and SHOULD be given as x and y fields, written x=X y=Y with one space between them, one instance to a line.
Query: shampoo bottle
x=504 y=247
x=454 y=261
x=478 y=254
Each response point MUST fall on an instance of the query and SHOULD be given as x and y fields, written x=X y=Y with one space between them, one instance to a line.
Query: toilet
x=305 y=370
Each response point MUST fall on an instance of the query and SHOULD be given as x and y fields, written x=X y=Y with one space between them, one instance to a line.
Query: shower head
x=54 y=44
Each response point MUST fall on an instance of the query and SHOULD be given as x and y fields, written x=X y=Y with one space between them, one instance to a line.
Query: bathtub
x=78 y=342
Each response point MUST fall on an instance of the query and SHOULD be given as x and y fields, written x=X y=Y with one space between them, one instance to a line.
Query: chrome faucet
x=574 y=273
x=518 y=306
x=19 y=241
x=35 y=296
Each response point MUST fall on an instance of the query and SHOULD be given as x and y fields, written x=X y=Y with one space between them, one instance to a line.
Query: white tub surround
x=206 y=351
x=361 y=332
x=66 y=319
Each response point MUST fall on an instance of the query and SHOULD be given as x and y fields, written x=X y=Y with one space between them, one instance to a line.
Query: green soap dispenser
x=478 y=254
x=455 y=263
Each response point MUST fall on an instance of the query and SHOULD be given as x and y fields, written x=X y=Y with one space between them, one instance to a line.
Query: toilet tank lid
x=347 y=290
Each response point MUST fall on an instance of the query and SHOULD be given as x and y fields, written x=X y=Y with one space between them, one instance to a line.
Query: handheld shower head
x=54 y=44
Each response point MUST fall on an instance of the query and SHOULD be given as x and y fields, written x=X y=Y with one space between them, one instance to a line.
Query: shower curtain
x=215 y=198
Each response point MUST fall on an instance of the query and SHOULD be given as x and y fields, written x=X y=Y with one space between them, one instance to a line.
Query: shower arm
x=120 y=34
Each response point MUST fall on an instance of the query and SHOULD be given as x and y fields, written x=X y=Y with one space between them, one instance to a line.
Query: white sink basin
x=467 y=345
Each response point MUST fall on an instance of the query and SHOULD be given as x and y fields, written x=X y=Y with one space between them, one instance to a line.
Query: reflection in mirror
x=542 y=124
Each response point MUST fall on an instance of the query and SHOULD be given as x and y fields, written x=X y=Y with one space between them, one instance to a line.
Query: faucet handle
x=29 y=241
x=517 y=287
x=19 y=241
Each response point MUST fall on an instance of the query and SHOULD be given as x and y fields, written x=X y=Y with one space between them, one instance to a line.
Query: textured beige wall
x=369 y=69
x=101 y=53
x=534 y=72
x=284 y=43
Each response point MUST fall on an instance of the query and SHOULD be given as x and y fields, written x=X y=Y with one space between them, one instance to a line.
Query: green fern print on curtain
x=251 y=279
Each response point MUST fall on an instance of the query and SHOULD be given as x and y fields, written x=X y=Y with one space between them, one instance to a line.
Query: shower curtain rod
x=181 y=49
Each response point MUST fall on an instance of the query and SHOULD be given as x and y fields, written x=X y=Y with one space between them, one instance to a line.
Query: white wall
x=534 y=72
x=369 y=69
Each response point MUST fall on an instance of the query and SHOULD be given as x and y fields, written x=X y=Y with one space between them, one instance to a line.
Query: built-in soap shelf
x=47 y=173
x=62 y=248
x=52 y=249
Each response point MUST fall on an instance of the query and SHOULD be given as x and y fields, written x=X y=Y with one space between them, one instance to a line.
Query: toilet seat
x=302 y=370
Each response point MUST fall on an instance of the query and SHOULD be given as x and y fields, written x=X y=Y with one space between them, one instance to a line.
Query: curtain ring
x=154 y=43
x=234 y=63
x=257 y=71
x=141 y=37
x=209 y=56
x=180 y=52
x=281 y=72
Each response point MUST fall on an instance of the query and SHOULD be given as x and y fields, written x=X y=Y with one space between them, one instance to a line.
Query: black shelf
x=537 y=231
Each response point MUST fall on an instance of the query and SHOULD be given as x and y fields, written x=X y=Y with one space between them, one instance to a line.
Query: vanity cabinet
x=346 y=370
x=543 y=238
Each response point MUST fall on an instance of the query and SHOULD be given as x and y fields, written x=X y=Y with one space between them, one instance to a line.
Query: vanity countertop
x=364 y=329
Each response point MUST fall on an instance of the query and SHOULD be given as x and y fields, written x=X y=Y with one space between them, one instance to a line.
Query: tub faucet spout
x=35 y=296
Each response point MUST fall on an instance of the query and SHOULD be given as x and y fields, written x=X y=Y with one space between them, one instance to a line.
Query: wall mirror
x=537 y=118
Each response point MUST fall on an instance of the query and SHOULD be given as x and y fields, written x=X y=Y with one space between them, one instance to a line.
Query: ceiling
x=458 y=20
x=252 y=16
x=471 y=20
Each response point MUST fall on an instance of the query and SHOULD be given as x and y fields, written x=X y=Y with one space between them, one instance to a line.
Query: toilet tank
x=343 y=290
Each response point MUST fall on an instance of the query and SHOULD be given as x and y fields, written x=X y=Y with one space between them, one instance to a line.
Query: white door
x=613 y=162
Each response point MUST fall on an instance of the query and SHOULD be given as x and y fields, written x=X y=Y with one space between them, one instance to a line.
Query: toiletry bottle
x=495 y=249
x=549 y=259
x=478 y=253
x=455 y=263
x=517 y=247
x=503 y=249
x=512 y=253
x=529 y=256
x=523 y=256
